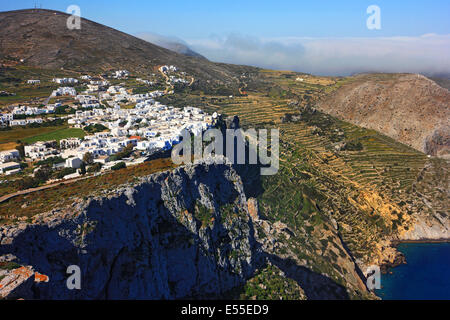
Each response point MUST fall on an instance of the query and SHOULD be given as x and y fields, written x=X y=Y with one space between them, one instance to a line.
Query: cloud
x=159 y=39
x=427 y=54
x=171 y=43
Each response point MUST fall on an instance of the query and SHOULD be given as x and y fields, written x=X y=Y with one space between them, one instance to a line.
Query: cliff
x=188 y=233
x=171 y=235
x=430 y=204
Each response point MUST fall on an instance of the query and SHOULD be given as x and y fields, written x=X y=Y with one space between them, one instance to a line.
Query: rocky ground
x=173 y=235
x=190 y=233
x=409 y=108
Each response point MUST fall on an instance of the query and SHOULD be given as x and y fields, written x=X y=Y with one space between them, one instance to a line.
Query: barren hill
x=409 y=108
x=41 y=38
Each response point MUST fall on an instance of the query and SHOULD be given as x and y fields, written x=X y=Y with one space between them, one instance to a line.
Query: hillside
x=40 y=38
x=409 y=108
x=173 y=44
x=328 y=213
x=156 y=244
x=343 y=195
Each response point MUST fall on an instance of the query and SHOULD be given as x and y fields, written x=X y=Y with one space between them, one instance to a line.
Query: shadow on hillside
x=50 y=253
x=138 y=251
x=315 y=285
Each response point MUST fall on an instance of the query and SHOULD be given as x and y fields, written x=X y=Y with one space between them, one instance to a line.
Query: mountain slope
x=167 y=224
x=41 y=38
x=410 y=108
x=173 y=44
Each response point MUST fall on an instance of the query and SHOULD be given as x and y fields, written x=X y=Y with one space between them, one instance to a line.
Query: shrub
x=125 y=153
x=42 y=175
x=50 y=161
x=353 y=146
x=27 y=183
x=96 y=167
x=94 y=128
x=120 y=165
x=64 y=172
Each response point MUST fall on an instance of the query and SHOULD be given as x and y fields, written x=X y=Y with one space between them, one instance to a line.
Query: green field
x=57 y=135
x=14 y=79
x=9 y=138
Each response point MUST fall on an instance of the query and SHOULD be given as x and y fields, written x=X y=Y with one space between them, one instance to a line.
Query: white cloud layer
x=427 y=54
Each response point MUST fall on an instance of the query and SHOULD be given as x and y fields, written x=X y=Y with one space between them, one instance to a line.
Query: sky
x=321 y=36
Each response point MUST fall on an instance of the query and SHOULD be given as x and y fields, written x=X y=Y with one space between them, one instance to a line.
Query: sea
x=426 y=276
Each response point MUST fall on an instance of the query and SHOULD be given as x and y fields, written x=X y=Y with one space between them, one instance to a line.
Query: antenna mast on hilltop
x=36 y=6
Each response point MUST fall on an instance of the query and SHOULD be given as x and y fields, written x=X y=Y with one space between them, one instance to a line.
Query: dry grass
x=63 y=195
x=8 y=146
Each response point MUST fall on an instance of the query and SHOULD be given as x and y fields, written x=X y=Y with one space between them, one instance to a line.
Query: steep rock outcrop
x=438 y=143
x=430 y=203
x=180 y=234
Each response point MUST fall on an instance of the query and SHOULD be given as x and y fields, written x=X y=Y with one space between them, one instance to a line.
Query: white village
x=143 y=128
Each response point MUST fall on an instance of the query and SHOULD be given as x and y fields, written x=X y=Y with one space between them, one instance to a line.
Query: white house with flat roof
x=64 y=91
x=6 y=168
x=6 y=117
x=20 y=122
x=74 y=163
x=9 y=155
x=65 y=80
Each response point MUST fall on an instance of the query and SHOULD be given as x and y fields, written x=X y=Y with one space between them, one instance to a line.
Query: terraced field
x=256 y=110
x=382 y=158
x=364 y=191
x=14 y=80
x=339 y=205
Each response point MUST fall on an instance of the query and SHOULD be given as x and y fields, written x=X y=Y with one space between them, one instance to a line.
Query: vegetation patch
x=9 y=265
x=203 y=214
x=270 y=284
x=56 y=135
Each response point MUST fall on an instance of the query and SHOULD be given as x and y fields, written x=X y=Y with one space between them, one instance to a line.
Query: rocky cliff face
x=438 y=143
x=430 y=203
x=172 y=235
x=189 y=233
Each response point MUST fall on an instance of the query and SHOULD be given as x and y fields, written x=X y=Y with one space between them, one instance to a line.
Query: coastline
x=395 y=243
x=400 y=258
x=426 y=267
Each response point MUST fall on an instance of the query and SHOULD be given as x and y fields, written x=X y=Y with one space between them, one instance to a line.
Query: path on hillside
x=167 y=81
x=28 y=191
x=47 y=100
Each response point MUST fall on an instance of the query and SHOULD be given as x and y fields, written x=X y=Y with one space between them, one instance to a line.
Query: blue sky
x=327 y=37
x=262 y=18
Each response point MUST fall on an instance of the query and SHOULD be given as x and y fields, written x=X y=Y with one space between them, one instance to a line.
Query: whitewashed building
x=9 y=155
x=74 y=163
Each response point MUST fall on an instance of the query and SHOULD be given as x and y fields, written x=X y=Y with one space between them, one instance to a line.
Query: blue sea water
x=426 y=276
